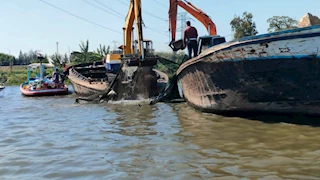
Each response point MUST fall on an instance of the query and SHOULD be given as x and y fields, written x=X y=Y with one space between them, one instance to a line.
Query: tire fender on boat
x=180 y=89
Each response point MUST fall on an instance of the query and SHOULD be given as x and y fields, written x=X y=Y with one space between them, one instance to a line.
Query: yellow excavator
x=136 y=78
x=138 y=52
x=204 y=42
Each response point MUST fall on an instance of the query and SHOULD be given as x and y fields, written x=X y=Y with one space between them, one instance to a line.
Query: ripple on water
x=55 y=138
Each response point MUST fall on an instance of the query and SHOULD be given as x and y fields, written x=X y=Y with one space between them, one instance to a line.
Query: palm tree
x=84 y=47
x=102 y=50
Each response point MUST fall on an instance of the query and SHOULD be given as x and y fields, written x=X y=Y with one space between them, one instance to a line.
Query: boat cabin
x=205 y=42
x=112 y=60
x=42 y=73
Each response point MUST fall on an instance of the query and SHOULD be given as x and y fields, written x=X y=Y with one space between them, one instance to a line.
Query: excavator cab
x=205 y=42
x=134 y=59
x=148 y=46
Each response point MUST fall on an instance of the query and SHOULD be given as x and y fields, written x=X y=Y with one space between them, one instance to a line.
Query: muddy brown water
x=54 y=138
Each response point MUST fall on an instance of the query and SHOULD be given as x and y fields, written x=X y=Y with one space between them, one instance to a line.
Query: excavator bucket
x=177 y=45
x=148 y=61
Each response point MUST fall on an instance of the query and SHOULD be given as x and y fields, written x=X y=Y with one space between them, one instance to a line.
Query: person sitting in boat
x=190 y=40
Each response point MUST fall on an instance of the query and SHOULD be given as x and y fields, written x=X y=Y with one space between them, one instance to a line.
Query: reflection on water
x=53 y=138
x=244 y=148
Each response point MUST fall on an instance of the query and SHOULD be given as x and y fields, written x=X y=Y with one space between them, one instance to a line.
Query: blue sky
x=32 y=24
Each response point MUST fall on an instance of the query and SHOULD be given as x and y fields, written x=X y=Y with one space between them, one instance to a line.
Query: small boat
x=2 y=87
x=42 y=86
x=274 y=73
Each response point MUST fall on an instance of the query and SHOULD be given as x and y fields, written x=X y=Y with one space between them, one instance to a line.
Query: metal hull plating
x=276 y=72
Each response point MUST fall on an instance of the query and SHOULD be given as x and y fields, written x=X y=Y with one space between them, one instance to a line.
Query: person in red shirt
x=190 y=40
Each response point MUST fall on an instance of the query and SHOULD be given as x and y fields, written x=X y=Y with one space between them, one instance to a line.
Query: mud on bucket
x=177 y=45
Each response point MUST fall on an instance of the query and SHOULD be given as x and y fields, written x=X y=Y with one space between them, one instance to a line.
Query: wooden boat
x=274 y=73
x=42 y=86
x=95 y=78
x=90 y=78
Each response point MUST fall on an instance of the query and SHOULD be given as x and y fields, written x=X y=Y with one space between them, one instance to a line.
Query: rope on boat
x=170 y=92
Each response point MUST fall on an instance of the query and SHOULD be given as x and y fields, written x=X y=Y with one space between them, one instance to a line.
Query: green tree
x=243 y=26
x=170 y=62
x=102 y=50
x=21 y=58
x=84 y=56
x=5 y=59
x=84 y=47
x=279 y=23
x=56 y=59
x=65 y=59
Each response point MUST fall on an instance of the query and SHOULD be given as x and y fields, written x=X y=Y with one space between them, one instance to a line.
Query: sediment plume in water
x=135 y=84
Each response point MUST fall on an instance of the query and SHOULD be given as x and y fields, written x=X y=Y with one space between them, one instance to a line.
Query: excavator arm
x=134 y=15
x=194 y=11
x=127 y=49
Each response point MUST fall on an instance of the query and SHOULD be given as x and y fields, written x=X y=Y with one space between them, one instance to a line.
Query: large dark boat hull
x=269 y=75
x=275 y=86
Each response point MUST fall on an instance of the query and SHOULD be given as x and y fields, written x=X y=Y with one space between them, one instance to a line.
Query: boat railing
x=80 y=76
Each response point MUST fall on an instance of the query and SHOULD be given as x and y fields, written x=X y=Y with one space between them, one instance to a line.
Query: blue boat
x=40 y=85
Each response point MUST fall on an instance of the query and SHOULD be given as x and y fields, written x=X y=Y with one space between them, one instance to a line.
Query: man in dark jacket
x=56 y=76
x=190 y=40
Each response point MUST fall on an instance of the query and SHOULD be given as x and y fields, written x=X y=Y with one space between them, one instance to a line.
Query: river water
x=54 y=138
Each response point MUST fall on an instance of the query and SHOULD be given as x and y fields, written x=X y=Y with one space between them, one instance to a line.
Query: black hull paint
x=269 y=86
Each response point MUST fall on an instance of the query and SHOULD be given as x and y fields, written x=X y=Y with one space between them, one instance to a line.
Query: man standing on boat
x=190 y=40
x=56 y=76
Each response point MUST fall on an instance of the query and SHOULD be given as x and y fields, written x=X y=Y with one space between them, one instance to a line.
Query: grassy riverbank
x=19 y=74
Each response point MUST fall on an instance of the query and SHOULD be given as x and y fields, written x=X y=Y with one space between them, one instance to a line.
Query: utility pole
x=182 y=17
x=114 y=44
x=57 y=47
x=57 y=53
x=11 y=61
x=69 y=54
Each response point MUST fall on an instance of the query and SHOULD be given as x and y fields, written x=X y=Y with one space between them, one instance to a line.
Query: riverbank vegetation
x=241 y=26
x=18 y=74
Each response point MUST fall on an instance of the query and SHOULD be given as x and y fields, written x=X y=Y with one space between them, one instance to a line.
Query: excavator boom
x=194 y=11
x=127 y=48
x=134 y=14
x=139 y=52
